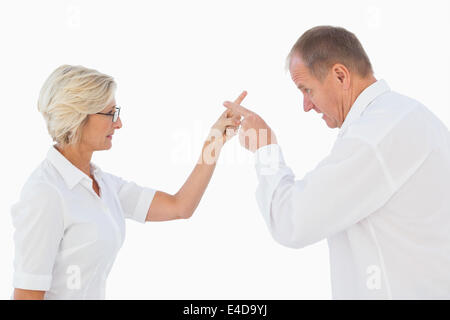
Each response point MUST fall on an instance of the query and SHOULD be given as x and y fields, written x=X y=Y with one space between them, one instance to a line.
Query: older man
x=381 y=197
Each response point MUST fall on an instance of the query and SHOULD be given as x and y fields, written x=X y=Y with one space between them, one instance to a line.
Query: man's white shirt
x=381 y=198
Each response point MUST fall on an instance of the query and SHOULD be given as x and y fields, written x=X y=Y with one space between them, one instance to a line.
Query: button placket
x=88 y=184
x=108 y=212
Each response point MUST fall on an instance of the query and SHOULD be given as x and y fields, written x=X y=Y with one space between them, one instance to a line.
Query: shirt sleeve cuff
x=145 y=199
x=269 y=159
x=29 y=281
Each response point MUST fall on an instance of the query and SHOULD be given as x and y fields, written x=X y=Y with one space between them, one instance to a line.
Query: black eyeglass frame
x=115 y=115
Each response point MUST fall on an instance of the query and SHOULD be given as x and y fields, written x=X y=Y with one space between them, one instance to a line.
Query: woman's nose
x=117 y=124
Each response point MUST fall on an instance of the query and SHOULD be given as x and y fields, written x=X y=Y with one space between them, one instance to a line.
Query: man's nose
x=307 y=104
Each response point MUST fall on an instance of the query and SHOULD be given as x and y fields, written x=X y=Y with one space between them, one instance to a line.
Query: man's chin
x=330 y=124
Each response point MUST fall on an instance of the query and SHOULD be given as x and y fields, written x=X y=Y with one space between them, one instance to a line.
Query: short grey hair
x=323 y=46
x=68 y=96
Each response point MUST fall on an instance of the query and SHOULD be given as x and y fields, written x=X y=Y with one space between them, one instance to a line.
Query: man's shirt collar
x=364 y=99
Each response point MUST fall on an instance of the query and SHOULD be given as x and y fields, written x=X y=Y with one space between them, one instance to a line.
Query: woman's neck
x=78 y=156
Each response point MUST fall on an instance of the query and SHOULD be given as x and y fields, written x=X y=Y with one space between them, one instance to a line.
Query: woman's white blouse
x=66 y=236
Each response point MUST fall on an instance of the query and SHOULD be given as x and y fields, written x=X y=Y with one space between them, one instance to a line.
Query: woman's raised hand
x=228 y=123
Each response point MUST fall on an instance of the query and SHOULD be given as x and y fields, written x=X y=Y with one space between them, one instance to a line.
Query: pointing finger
x=237 y=101
x=236 y=108
x=241 y=97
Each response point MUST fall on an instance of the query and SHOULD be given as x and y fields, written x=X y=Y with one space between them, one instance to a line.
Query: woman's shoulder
x=39 y=199
x=40 y=204
x=43 y=181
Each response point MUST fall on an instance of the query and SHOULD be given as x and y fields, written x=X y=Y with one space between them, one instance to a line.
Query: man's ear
x=342 y=75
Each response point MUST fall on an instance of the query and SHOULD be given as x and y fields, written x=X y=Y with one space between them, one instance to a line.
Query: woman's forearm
x=190 y=194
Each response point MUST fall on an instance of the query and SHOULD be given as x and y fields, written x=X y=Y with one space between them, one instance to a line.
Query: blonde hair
x=68 y=96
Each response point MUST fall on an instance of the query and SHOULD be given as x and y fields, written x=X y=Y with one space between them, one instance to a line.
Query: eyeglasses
x=114 y=115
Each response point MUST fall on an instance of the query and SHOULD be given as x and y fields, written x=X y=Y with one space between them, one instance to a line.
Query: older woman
x=69 y=221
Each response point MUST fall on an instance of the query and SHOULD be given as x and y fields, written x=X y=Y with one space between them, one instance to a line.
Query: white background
x=175 y=62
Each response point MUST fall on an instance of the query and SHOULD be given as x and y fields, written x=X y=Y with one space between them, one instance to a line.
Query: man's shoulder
x=393 y=104
x=384 y=114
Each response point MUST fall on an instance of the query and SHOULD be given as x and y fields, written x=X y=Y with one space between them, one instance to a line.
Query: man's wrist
x=269 y=159
x=268 y=146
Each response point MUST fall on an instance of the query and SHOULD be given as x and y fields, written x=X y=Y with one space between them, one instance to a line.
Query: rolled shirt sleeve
x=344 y=188
x=38 y=219
x=134 y=199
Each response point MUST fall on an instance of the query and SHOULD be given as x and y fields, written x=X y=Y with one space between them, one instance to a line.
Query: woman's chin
x=105 y=146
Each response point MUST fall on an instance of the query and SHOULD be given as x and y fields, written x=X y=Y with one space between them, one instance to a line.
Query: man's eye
x=305 y=90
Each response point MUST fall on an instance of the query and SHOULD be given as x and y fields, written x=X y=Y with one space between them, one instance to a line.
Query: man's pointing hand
x=254 y=132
